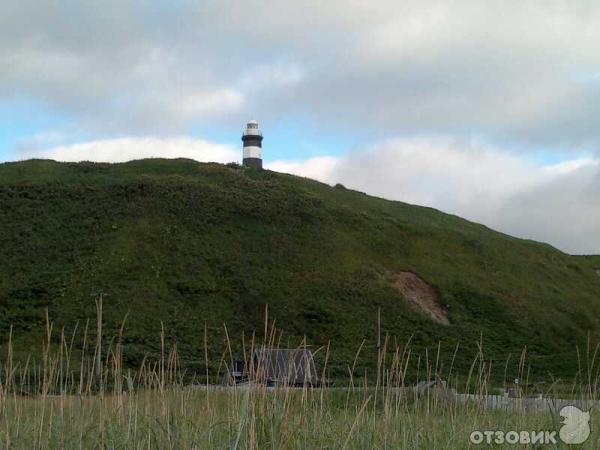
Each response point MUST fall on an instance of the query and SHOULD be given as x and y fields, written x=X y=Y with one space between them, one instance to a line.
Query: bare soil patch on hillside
x=421 y=296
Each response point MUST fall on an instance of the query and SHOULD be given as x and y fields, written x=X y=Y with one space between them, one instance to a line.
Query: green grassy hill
x=191 y=244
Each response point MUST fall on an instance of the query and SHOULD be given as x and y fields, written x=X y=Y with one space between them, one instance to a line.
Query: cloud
x=321 y=168
x=555 y=203
x=126 y=149
x=509 y=72
x=563 y=211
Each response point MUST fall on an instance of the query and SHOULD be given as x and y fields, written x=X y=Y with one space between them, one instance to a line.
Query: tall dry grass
x=93 y=401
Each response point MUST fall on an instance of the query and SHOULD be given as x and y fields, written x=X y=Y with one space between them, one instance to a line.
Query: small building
x=276 y=367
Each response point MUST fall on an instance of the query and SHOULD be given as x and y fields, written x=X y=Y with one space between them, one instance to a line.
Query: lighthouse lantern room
x=252 y=139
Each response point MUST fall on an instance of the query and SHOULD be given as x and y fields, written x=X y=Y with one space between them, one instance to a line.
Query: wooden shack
x=275 y=367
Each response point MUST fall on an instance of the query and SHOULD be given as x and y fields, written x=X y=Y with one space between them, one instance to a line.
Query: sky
x=488 y=110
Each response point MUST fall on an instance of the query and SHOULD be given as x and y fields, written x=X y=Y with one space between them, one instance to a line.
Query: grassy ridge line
x=191 y=244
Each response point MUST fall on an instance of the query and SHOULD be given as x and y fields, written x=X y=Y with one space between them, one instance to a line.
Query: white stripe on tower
x=252 y=152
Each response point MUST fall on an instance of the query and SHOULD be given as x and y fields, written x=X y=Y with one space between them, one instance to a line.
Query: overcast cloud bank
x=524 y=73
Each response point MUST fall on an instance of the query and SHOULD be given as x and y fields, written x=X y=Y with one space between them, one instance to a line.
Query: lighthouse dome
x=252 y=128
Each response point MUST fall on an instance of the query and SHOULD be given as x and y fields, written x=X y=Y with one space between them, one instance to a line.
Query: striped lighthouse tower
x=252 y=139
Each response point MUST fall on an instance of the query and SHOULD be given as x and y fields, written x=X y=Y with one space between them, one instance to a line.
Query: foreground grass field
x=66 y=403
x=179 y=418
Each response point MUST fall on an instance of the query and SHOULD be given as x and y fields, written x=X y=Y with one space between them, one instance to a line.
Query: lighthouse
x=252 y=139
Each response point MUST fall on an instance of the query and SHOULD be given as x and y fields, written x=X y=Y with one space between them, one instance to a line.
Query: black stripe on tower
x=253 y=162
x=252 y=140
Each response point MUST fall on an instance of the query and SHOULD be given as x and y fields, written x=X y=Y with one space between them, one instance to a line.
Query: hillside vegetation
x=191 y=245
